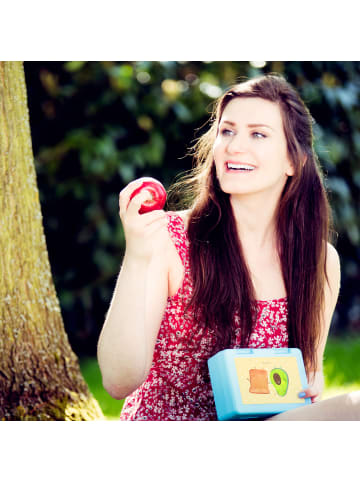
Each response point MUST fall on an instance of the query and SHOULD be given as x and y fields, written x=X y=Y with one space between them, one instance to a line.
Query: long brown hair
x=222 y=286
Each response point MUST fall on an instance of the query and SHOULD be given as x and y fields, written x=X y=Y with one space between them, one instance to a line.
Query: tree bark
x=40 y=378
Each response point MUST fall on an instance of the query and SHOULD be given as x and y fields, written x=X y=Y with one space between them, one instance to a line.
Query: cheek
x=218 y=152
x=219 y=143
x=215 y=148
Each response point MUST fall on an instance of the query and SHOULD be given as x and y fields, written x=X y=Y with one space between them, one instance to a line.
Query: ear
x=290 y=170
x=304 y=159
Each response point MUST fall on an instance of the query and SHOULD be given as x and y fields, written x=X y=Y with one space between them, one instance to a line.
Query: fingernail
x=302 y=395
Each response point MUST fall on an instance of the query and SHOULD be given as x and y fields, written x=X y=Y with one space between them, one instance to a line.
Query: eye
x=226 y=132
x=258 y=135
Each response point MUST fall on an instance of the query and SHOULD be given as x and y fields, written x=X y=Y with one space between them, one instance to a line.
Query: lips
x=239 y=167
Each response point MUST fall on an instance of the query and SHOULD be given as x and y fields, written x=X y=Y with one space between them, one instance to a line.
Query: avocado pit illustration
x=280 y=380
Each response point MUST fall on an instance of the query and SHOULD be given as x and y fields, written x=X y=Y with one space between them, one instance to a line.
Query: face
x=250 y=150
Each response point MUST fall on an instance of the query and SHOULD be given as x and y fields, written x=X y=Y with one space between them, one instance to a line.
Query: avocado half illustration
x=279 y=378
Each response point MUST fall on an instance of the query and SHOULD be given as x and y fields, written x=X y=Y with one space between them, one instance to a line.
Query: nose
x=236 y=144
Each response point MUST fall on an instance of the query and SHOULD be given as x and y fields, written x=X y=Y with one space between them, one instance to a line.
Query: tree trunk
x=40 y=378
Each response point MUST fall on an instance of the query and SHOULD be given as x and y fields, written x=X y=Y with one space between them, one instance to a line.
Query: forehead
x=252 y=110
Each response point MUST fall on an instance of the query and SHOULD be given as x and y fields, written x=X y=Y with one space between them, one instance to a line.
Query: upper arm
x=332 y=287
x=164 y=278
x=331 y=294
x=155 y=301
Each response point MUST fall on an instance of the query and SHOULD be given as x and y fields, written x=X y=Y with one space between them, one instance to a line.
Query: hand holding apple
x=145 y=234
x=157 y=191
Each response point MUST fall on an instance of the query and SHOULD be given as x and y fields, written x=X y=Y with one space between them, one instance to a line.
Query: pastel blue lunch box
x=257 y=382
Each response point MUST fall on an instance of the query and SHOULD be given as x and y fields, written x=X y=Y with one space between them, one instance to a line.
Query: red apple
x=157 y=192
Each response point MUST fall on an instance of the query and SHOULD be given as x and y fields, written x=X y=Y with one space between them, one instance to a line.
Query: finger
x=308 y=393
x=136 y=202
x=156 y=226
x=125 y=194
x=150 y=224
x=132 y=206
x=152 y=216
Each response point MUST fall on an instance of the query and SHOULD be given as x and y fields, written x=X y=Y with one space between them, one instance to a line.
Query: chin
x=235 y=189
x=242 y=189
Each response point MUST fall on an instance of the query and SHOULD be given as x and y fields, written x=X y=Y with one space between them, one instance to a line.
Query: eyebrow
x=248 y=125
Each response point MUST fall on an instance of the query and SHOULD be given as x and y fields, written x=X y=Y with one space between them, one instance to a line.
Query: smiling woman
x=262 y=222
x=247 y=264
x=246 y=146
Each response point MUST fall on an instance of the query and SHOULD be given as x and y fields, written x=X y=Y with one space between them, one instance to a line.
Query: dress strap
x=178 y=234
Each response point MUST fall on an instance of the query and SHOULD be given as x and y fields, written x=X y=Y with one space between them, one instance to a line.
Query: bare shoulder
x=185 y=215
x=333 y=259
x=333 y=269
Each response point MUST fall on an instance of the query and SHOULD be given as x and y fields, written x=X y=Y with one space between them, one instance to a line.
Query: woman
x=248 y=264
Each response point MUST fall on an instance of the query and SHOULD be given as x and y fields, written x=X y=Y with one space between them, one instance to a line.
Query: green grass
x=91 y=372
x=341 y=370
x=342 y=365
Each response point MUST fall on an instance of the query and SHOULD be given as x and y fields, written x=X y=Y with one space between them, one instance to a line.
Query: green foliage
x=98 y=125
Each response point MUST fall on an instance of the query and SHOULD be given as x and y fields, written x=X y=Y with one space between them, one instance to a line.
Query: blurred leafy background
x=98 y=125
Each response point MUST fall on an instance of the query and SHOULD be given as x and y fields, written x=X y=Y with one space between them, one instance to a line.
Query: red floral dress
x=178 y=384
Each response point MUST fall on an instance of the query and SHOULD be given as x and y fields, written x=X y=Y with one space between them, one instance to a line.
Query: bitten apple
x=157 y=191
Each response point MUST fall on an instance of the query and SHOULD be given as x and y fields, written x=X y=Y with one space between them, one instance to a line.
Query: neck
x=255 y=220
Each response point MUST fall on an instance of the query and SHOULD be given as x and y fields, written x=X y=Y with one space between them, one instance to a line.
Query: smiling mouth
x=231 y=166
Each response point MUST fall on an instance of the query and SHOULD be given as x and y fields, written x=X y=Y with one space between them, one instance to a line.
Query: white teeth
x=230 y=165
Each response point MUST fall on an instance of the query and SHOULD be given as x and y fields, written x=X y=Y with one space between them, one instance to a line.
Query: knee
x=354 y=398
x=352 y=405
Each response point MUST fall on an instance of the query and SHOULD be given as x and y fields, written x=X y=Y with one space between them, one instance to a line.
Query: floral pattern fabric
x=178 y=384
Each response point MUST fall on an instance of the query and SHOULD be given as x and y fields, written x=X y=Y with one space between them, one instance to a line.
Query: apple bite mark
x=157 y=191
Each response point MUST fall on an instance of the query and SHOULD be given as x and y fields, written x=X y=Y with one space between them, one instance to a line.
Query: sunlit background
x=98 y=125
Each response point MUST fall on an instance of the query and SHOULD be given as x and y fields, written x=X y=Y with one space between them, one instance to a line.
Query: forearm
x=123 y=345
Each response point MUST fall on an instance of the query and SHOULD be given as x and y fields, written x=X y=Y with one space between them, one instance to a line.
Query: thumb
x=308 y=393
x=136 y=202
